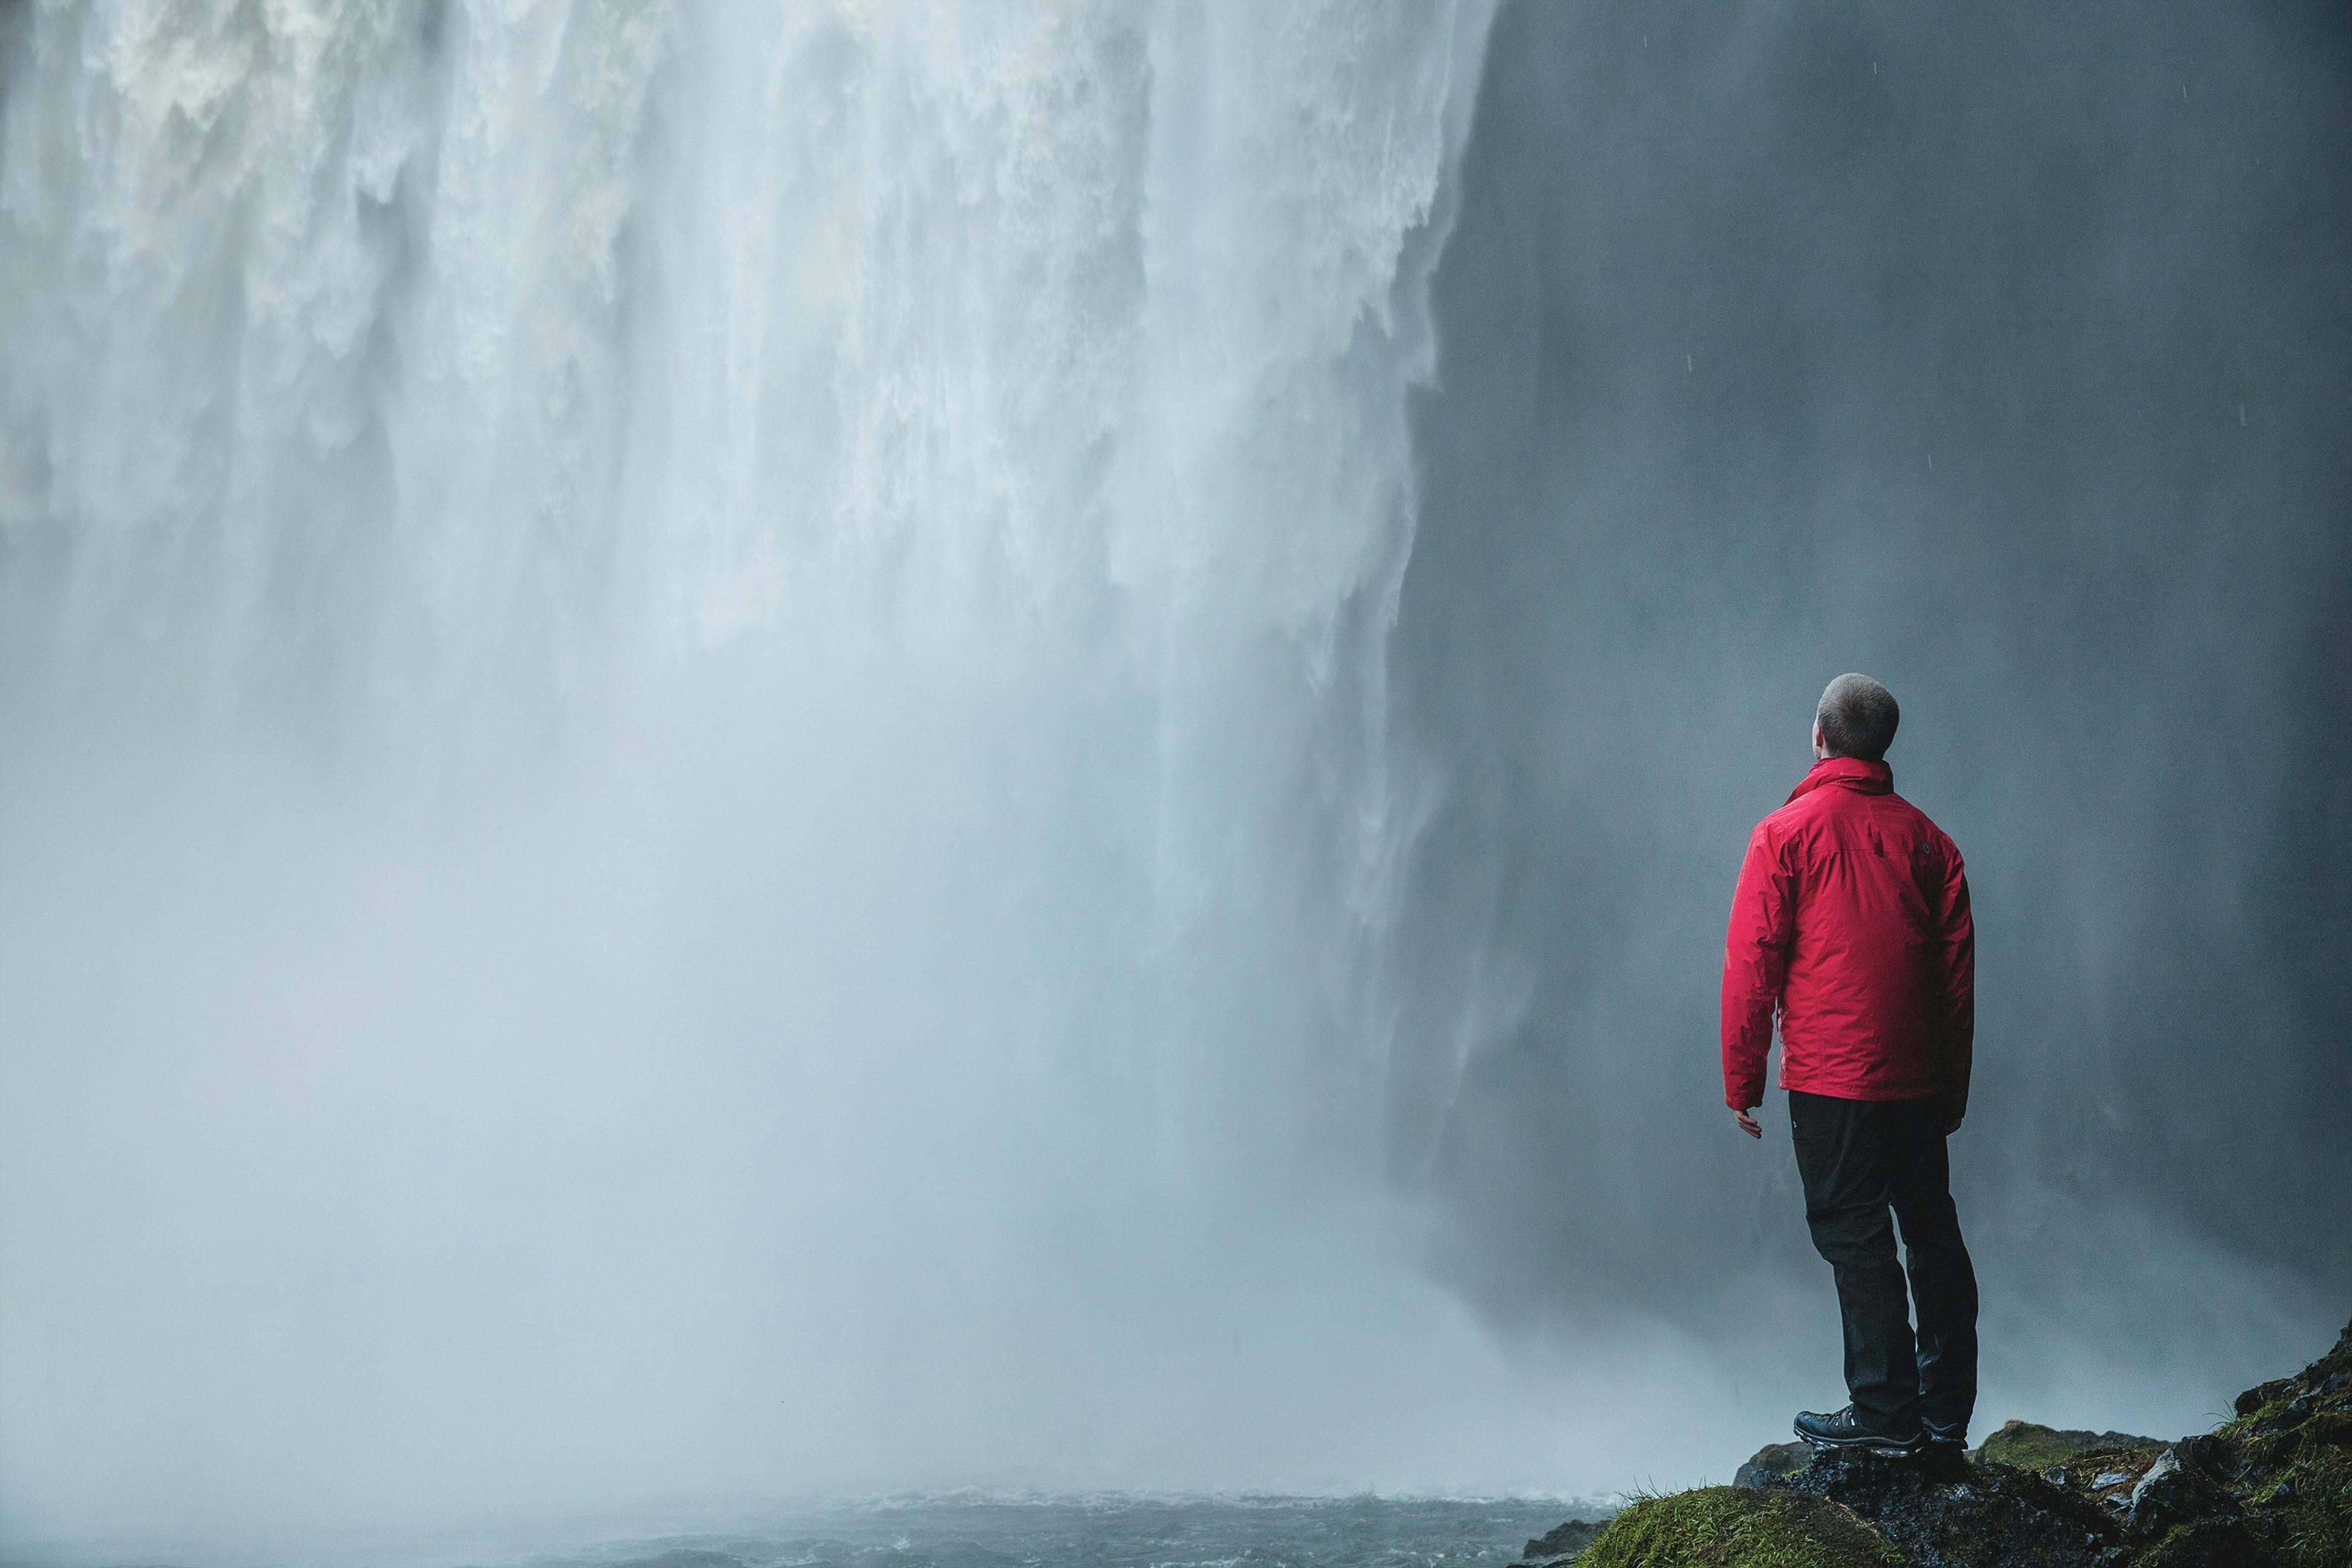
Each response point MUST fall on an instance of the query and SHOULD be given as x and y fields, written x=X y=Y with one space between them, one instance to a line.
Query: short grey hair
x=1857 y=717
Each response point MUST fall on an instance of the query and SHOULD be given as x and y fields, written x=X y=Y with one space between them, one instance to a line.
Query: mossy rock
x=2277 y=1391
x=1734 y=1527
x=2031 y=1447
x=2336 y=1360
x=2291 y=1461
x=2204 y=1543
x=1772 y=1462
x=2311 y=1499
x=2025 y=1445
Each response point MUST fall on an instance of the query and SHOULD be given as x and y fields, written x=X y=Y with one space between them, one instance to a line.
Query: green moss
x=2199 y=1544
x=2026 y=1446
x=1730 y=1527
x=2314 y=1501
x=2292 y=1451
x=2328 y=1427
x=2267 y=1413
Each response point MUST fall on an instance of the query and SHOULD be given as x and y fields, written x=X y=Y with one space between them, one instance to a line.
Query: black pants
x=1859 y=1158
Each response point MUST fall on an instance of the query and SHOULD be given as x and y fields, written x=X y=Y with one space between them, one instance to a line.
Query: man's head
x=1856 y=719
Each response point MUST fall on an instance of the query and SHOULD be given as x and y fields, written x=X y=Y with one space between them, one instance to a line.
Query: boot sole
x=1877 y=1447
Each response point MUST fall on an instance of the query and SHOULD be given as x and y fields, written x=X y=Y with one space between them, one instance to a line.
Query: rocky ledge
x=2271 y=1488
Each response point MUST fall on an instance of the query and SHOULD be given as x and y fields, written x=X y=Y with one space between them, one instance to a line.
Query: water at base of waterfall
x=1107 y=1531
x=964 y=1528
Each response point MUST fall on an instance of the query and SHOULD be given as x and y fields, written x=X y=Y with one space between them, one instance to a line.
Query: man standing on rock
x=1850 y=922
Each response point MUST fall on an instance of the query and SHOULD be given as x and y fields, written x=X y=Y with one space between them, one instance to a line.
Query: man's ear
x=1819 y=744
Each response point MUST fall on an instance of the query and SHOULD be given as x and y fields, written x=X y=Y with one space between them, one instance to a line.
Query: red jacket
x=1851 y=919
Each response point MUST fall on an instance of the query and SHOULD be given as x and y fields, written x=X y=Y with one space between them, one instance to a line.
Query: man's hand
x=1748 y=1124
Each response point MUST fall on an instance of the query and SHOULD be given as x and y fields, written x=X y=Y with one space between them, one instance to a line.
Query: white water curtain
x=695 y=780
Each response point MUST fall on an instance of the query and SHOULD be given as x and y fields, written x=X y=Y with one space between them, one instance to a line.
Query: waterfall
x=695 y=778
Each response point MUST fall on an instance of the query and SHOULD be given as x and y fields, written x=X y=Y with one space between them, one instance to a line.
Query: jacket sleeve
x=1956 y=997
x=1755 y=962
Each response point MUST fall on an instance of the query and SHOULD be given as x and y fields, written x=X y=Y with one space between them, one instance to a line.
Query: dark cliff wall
x=2004 y=352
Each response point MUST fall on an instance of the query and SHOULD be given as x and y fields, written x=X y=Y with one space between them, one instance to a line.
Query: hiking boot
x=1845 y=1432
x=1945 y=1439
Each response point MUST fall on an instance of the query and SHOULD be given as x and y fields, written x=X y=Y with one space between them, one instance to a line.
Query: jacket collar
x=1847 y=772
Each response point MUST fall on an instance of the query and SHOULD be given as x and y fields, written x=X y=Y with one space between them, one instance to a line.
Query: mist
x=695 y=784
x=752 y=753
x=2001 y=355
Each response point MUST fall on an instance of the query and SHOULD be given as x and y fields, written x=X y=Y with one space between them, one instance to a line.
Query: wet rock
x=2175 y=1489
x=1772 y=1462
x=2286 y=1463
x=2208 y=1543
x=1562 y=1541
x=2271 y=1488
x=1948 y=1512
x=2269 y=1392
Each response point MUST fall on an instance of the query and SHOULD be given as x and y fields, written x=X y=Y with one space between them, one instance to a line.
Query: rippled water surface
x=1159 y=1532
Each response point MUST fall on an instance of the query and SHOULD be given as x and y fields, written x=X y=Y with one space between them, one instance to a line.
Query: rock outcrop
x=2027 y=1447
x=2270 y=1488
x=1739 y=1527
x=1772 y=1462
x=1563 y=1543
x=1952 y=1513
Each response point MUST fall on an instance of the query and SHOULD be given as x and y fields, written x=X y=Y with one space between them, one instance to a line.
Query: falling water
x=695 y=793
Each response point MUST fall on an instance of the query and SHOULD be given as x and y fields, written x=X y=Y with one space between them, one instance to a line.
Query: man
x=1850 y=922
